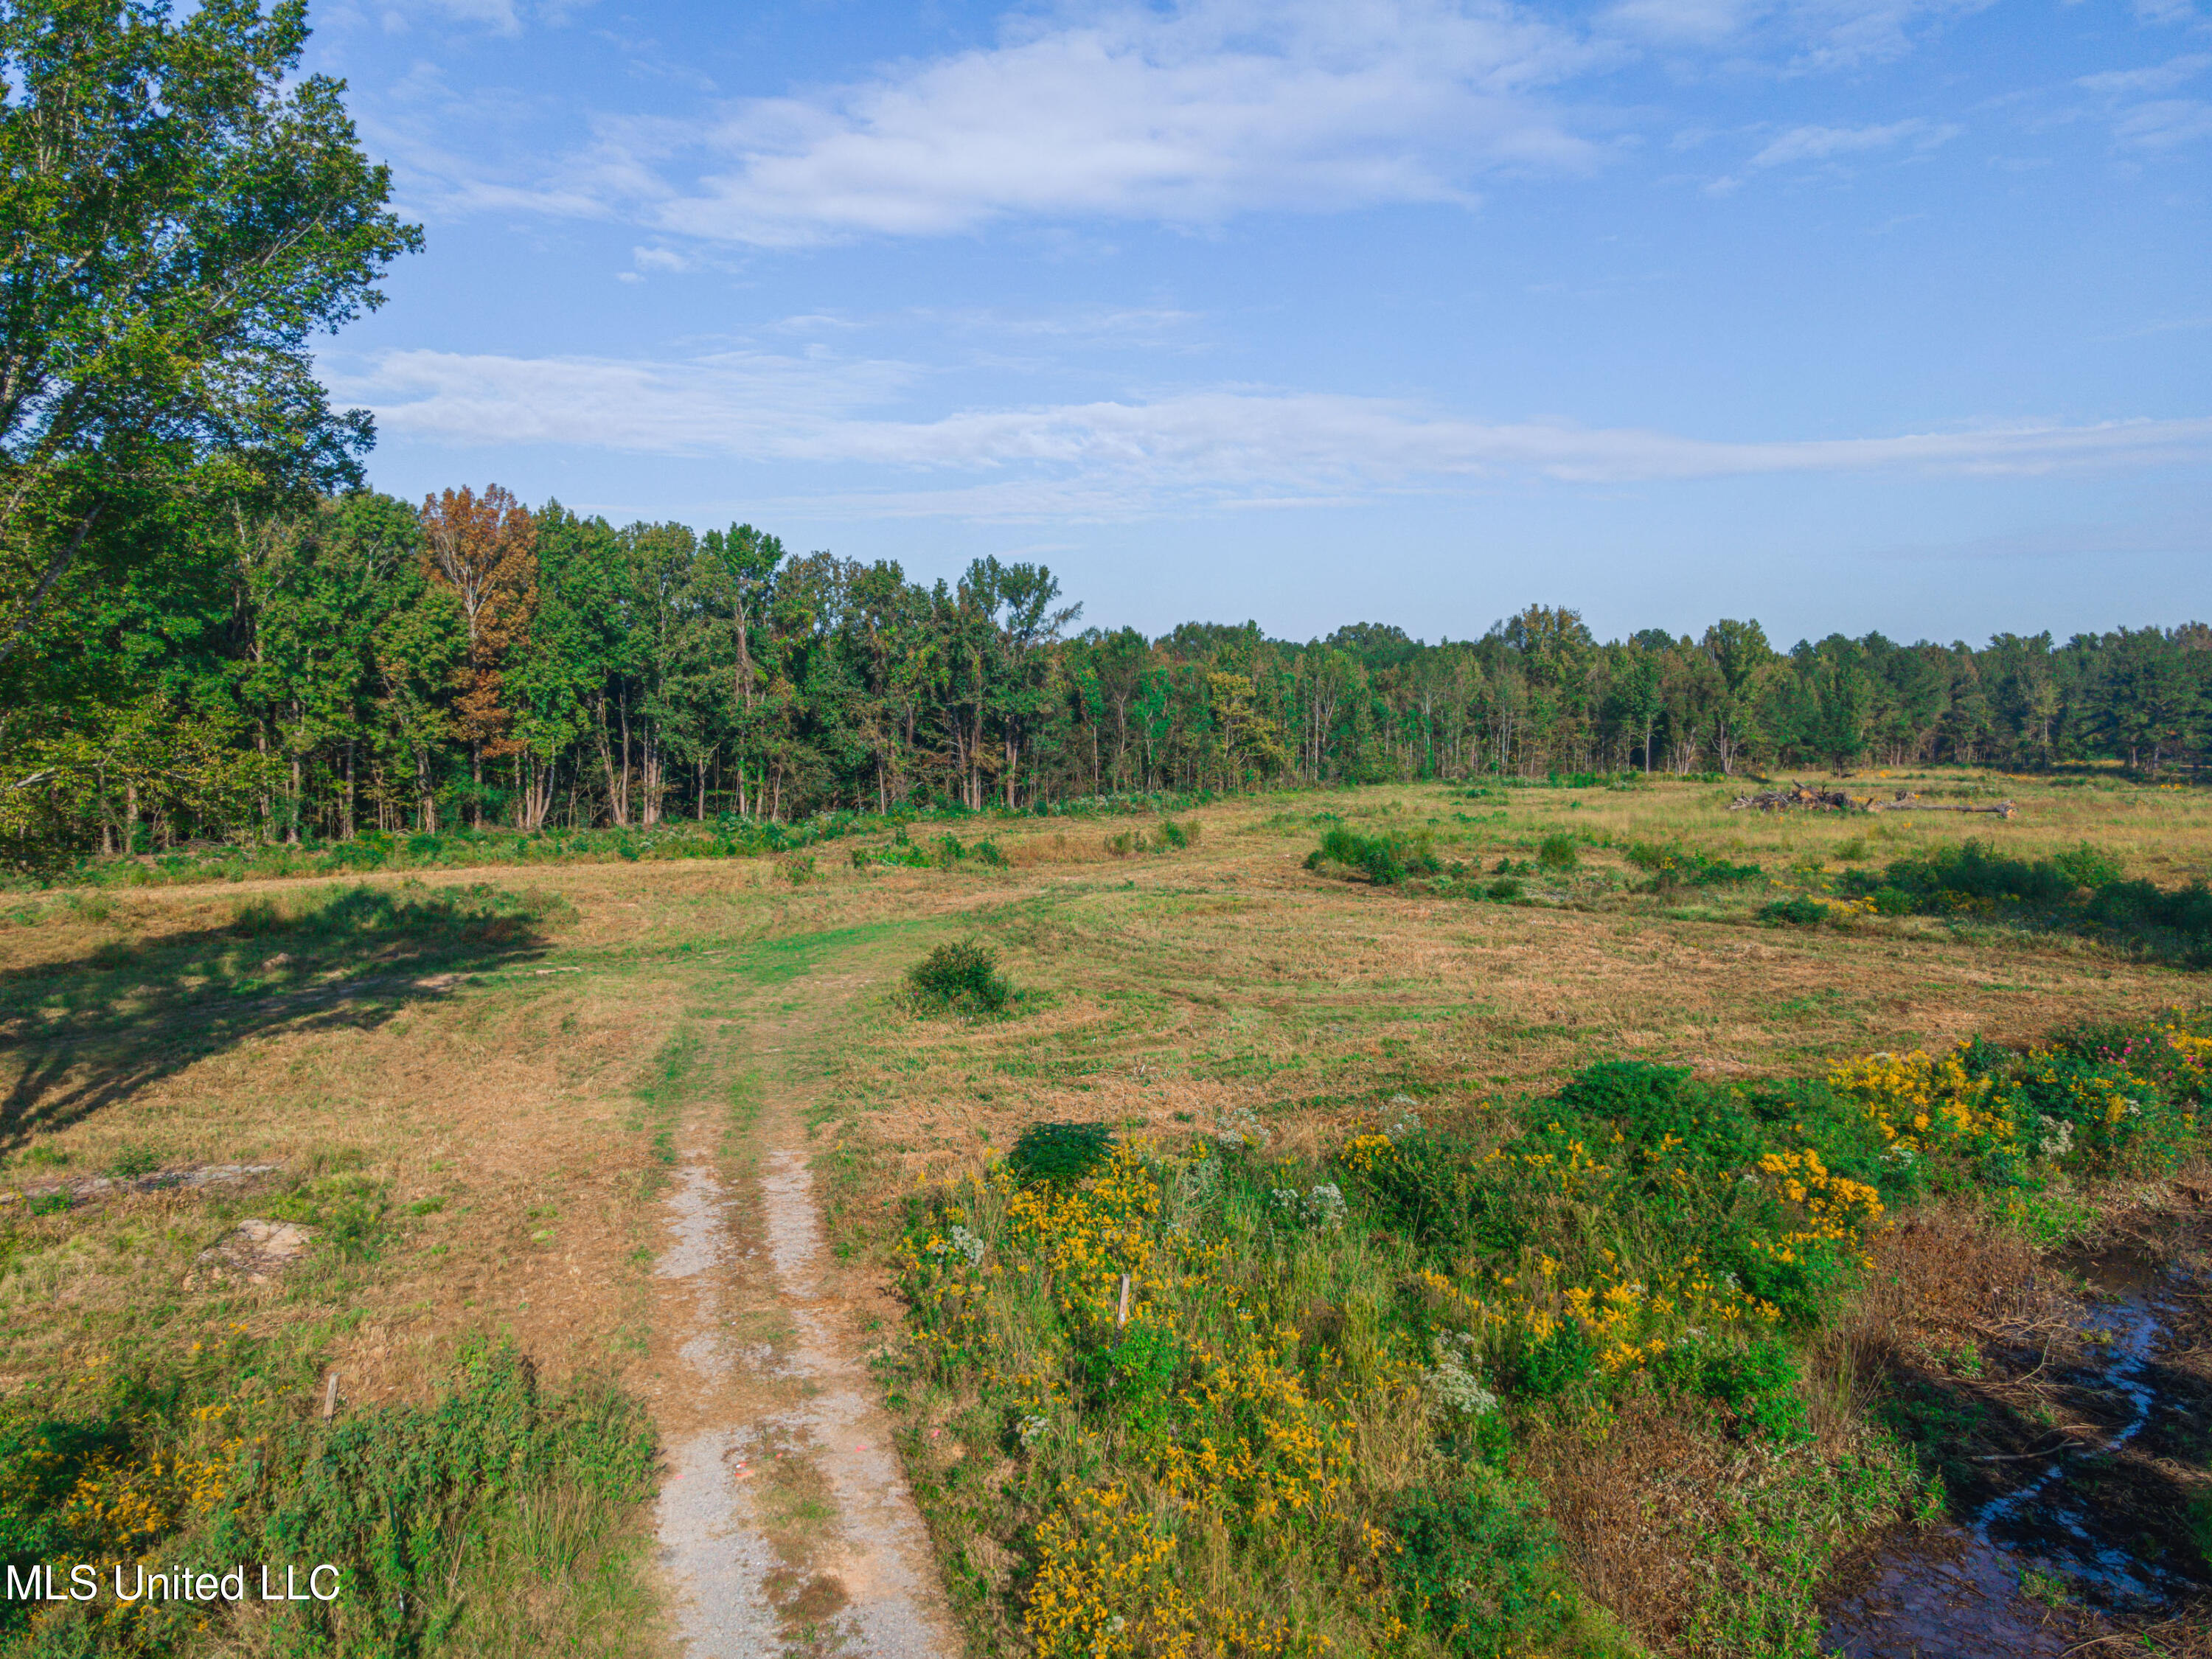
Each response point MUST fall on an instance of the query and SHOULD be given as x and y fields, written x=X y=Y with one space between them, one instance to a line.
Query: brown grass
x=517 y=1105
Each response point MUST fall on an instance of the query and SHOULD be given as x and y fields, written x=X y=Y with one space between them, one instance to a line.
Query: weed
x=1476 y=1566
x=133 y=1161
x=1559 y=854
x=961 y=978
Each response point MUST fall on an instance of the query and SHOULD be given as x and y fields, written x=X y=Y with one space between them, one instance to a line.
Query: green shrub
x=1060 y=1152
x=798 y=869
x=133 y=1161
x=2083 y=889
x=1758 y=1383
x=1505 y=888
x=986 y=852
x=1385 y=859
x=963 y=977
x=1793 y=912
x=1478 y=1570
x=1558 y=852
x=947 y=851
x=1673 y=866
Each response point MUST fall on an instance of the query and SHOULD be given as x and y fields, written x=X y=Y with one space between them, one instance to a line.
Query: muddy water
x=2059 y=1546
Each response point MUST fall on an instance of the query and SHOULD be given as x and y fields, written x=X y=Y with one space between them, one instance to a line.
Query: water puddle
x=2069 y=1522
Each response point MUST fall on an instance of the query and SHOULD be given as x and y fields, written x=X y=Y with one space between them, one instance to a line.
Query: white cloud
x=1824 y=143
x=1192 y=115
x=1219 y=446
x=2158 y=77
x=498 y=16
x=1799 y=34
x=2164 y=122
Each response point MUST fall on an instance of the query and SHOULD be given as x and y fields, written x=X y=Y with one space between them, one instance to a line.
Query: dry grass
x=507 y=1108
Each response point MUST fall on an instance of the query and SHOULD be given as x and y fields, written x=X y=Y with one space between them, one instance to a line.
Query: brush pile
x=1797 y=797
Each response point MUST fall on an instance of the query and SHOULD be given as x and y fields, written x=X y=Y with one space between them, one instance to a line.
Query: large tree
x=178 y=217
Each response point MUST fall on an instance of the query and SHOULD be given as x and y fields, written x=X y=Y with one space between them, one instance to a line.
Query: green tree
x=179 y=218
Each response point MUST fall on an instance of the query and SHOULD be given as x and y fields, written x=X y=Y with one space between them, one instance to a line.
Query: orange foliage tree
x=485 y=548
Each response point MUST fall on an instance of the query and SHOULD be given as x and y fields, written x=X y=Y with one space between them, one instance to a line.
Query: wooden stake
x=331 y=1398
x=1122 y=1318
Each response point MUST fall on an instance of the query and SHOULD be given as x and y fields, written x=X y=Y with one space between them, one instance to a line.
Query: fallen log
x=2003 y=808
x=1798 y=797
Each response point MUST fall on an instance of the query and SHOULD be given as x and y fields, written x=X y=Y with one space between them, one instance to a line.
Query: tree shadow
x=84 y=1035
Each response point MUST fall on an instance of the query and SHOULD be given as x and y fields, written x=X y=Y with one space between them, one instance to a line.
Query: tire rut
x=784 y=1522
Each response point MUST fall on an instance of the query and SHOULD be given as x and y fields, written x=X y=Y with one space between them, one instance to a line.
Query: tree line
x=366 y=664
x=210 y=628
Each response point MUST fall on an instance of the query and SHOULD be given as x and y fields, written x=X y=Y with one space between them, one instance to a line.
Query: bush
x=402 y=1499
x=1060 y=1152
x=1558 y=852
x=1477 y=1570
x=798 y=869
x=962 y=978
x=1757 y=1382
x=1678 y=866
x=2083 y=889
x=1793 y=912
x=1385 y=859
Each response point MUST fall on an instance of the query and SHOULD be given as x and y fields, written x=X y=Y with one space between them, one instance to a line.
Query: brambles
x=1325 y=1367
x=1168 y=836
x=959 y=978
x=408 y=1503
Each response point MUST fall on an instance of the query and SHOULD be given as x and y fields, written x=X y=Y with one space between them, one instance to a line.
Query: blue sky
x=1840 y=313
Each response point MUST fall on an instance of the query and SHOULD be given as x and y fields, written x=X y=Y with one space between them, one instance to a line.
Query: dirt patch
x=80 y=1190
x=253 y=1252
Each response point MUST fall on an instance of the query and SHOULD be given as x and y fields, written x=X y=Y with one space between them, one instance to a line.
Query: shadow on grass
x=81 y=1036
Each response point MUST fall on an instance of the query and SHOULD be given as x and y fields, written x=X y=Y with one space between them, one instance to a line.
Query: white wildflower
x=1453 y=1386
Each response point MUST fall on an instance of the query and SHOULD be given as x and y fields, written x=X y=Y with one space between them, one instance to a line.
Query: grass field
x=468 y=1086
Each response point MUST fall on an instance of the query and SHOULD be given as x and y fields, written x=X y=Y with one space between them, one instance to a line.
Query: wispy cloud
x=2156 y=77
x=1794 y=35
x=1191 y=112
x=1825 y=143
x=1120 y=459
x=2164 y=122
